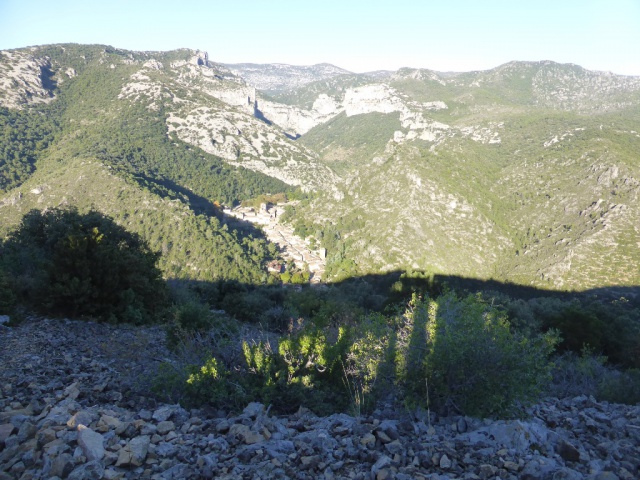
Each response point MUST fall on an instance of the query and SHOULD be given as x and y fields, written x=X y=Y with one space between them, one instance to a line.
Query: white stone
x=91 y=442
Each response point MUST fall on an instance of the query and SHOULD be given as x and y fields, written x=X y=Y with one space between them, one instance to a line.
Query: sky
x=442 y=35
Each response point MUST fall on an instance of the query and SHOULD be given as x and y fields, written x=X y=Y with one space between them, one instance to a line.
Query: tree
x=63 y=262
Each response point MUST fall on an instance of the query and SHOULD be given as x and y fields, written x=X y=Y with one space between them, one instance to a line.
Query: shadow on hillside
x=203 y=206
x=377 y=291
x=604 y=319
x=200 y=205
x=48 y=81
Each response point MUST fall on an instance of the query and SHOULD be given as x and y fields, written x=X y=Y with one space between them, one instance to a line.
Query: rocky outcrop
x=24 y=79
x=297 y=121
x=280 y=77
x=224 y=119
x=73 y=405
x=371 y=98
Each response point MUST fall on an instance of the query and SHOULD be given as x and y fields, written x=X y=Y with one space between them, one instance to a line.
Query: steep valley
x=198 y=259
x=527 y=173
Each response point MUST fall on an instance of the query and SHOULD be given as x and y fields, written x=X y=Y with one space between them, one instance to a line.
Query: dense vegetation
x=25 y=136
x=349 y=345
x=155 y=186
x=63 y=263
x=145 y=205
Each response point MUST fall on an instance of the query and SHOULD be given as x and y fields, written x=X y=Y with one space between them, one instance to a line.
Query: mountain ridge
x=525 y=172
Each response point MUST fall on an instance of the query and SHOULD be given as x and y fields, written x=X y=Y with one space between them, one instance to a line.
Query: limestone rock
x=561 y=439
x=244 y=432
x=81 y=418
x=92 y=443
x=568 y=451
x=88 y=471
x=165 y=427
x=27 y=430
x=6 y=430
x=253 y=410
x=134 y=453
x=62 y=466
x=445 y=462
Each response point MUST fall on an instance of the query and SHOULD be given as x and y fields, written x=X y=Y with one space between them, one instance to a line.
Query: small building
x=275 y=266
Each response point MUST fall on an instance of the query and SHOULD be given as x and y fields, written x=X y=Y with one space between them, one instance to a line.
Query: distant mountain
x=527 y=173
x=278 y=77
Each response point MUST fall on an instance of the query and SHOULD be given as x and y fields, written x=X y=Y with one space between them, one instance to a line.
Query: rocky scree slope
x=75 y=403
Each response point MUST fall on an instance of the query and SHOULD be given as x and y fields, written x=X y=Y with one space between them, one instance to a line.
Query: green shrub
x=210 y=383
x=450 y=353
x=191 y=316
x=369 y=366
x=621 y=387
x=285 y=277
x=7 y=297
x=306 y=369
x=580 y=328
x=589 y=374
x=575 y=375
x=465 y=351
x=63 y=262
x=606 y=327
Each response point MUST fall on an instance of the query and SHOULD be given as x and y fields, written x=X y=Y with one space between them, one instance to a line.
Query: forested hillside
x=89 y=147
x=527 y=173
x=482 y=230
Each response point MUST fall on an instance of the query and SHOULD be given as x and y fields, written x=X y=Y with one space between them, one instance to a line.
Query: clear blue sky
x=443 y=35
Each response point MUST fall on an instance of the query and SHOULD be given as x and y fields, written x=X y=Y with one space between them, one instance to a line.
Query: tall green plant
x=472 y=360
x=63 y=262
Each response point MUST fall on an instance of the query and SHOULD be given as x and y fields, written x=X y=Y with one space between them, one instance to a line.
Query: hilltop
x=526 y=173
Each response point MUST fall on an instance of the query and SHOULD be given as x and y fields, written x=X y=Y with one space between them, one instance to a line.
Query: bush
x=621 y=387
x=465 y=352
x=589 y=374
x=306 y=369
x=7 y=297
x=580 y=328
x=188 y=317
x=63 y=262
x=453 y=353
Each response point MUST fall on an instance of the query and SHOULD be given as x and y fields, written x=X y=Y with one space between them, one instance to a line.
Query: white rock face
x=153 y=64
x=21 y=79
x=559 y=138
x=485 y=135
x=371 y=98
x=325 y=105
x=243 y=140
x=140 y=86
x=223 y=119
x=297 y=121
x=292 y=120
